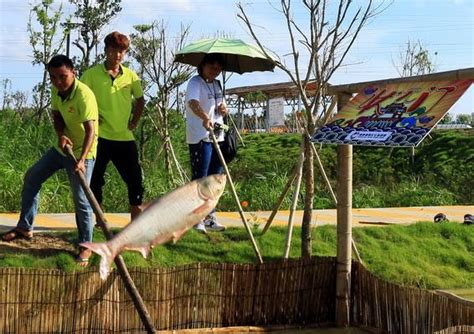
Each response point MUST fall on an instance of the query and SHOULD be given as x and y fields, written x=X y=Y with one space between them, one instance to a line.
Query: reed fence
x=295 y=292
x=192 y=296
x=396 y=309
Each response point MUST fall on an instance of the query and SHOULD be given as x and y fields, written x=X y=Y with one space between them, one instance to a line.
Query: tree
x=46 y=42
x=415 y=59
x=326 y=40
x=20 y=102
x=92 y=16
x=464 y=119
x=447 y=119
x=6 y=96
x=154 y=51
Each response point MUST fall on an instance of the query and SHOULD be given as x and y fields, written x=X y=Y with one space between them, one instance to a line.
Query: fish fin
x=203 y=209
x=143 y=250
x=106 y=255
x=178 y=234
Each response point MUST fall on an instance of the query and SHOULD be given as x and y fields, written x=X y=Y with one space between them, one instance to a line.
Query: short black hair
x=60 y=60
x=211 y=58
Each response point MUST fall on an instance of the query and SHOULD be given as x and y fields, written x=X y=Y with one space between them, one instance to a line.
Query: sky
x=444 y=27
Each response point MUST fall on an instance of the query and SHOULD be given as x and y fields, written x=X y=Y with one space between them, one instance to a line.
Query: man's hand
x=63 y=141
x=207 y=124
x=222 y=109
x=132 y=125
x=80 y=166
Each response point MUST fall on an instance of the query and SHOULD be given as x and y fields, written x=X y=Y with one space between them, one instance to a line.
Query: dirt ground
x=42 y=244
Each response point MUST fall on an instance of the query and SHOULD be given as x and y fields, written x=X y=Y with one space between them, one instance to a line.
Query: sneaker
x=212 y=225
x=200 y=227
x=468 y=219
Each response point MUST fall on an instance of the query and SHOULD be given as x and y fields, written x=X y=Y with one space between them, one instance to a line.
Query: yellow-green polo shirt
x=80 y=106
x=114 y=98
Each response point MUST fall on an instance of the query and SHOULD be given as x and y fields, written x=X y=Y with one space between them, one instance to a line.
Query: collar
x=71 y=94
x=106 y=71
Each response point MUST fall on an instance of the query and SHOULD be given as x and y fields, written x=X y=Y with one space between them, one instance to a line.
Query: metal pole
x=242 y=120
x=234 y=193
x=121 y=267
x=344 y=229
x=68 y=42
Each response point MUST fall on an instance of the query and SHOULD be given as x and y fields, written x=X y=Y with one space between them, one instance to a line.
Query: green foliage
x=45 y=43
x=91 y=17
x=441 y=174
x=424 y=255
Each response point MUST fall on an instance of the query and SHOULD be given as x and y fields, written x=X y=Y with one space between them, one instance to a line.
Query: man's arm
x=59 y=126
x=137 y=113
x=86 y=145
x=199 y=112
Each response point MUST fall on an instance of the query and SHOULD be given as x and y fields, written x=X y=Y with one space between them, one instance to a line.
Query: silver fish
x=166 y=218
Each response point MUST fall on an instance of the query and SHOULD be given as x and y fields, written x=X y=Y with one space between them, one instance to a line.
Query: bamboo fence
x=192 y=296
x=396 y=309
x=287 y=293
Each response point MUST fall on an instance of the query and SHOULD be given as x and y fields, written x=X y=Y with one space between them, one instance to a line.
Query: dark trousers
x=124 y=156
x=204 y=160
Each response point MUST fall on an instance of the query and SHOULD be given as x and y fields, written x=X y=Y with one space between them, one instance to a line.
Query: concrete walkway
x=361 y=217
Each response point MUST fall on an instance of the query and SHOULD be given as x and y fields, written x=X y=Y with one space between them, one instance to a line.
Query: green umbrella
x=240 y=57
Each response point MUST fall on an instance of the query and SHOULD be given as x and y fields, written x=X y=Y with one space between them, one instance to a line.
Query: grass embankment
x=441 y=173
x=427 y=255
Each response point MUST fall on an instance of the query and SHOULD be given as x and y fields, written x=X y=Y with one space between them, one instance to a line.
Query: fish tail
x=106 y=254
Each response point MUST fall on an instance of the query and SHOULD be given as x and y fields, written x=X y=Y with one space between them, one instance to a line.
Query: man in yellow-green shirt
x=75 y=116
x=117 y=89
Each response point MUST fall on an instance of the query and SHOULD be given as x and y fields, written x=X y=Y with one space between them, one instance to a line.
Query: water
x=323 y=331
x=464 y=293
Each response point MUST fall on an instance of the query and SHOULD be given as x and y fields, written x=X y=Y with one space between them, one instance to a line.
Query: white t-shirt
x=209 y=96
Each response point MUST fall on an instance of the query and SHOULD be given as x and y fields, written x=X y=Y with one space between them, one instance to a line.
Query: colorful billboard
x=392 y=115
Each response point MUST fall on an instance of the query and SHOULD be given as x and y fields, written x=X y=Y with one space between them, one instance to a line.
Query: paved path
x=361 y=217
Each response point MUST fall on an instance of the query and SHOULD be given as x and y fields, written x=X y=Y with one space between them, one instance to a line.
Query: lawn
x=426 y=255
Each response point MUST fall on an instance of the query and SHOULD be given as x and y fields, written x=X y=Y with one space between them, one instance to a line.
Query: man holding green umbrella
x=205 y=107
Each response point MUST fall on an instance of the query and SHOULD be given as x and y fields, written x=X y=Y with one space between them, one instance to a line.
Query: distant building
x=453 y=127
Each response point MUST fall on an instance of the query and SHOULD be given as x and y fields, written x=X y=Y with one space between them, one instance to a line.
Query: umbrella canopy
x=240 y=57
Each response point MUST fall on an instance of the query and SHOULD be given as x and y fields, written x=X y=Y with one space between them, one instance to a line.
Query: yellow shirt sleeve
x=137 y=90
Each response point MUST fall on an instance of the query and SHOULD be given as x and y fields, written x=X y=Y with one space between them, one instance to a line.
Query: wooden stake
x=280 y=199
x=234 y=193
x=295 y=202
x=344 y=229
x=121 y=267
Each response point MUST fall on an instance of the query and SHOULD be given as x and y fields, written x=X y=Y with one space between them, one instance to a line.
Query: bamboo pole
x=280 y=199
x=344 y=229
x=321 y=167
x=296 y=192
x=237 y=129
x=323 y=173
x=121 y=267
x=234 y=193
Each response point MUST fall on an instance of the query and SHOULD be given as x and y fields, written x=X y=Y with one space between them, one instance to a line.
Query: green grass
x=426 y=255
x=441 y=174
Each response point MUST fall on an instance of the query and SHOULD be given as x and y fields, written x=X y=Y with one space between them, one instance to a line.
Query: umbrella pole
x=234 y=193
x=121 y=267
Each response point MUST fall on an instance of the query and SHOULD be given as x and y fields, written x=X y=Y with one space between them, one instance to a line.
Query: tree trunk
x=306 y=240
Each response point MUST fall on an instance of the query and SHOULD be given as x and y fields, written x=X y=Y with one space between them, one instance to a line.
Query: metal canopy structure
x=287 y=90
